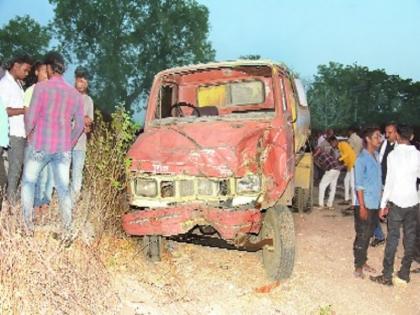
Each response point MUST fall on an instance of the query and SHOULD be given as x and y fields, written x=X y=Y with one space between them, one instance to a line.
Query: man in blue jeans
x=53 y=123
x=79 y=150
x=368 y=186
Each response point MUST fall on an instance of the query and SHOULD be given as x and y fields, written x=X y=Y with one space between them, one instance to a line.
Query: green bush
x=106 y=168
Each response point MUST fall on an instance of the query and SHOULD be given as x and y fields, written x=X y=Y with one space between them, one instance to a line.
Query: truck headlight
x=248 y=184
x=145 y=187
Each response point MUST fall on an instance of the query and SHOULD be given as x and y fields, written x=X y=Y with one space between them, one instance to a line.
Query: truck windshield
x=214 y=92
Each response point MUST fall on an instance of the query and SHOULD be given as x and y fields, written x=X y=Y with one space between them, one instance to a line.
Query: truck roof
x=223 y=64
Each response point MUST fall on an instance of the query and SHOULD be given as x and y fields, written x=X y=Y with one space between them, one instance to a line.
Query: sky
x=379 y=34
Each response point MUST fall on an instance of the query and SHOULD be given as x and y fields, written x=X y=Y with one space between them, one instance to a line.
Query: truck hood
x=212 y=149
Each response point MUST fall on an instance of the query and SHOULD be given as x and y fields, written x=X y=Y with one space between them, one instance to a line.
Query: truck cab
x=222 y=148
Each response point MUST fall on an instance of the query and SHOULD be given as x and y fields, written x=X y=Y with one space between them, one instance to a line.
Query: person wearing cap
x=11 y=92
x=79 y=151
x=54 y=122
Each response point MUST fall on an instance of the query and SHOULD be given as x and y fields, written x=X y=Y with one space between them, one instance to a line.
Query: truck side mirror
x=301 y=93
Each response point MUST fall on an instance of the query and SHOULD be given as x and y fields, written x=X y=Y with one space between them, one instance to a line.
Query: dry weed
x=38 y=275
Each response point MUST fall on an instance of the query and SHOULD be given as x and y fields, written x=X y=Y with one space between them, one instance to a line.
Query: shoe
x=368 y=268
x=381 y=280
x=332 y=208
x=399 y=281
x=376 y=242
x=347 y=212
x=344 y=203
x=318 y=208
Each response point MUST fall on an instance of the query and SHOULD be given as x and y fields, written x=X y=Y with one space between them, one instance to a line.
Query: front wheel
x=153 y=247
x=278 y=258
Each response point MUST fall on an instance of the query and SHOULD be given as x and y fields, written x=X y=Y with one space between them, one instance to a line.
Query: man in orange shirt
x=348 y=157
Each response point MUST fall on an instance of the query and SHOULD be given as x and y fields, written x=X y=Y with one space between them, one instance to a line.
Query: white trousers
x=330 y=178
x=349 y=187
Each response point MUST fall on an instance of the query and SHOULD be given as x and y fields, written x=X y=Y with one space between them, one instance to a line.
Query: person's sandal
x=381 y=280
x=376 y=242
x=368 y=268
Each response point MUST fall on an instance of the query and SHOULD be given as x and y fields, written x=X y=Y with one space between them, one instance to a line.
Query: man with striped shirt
x=55 y=104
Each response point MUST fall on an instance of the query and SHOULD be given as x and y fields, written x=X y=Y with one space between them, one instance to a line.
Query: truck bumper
x=178 y=220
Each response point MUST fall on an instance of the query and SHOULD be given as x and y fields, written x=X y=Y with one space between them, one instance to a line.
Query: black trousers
x=407 y=219
x=364 y=231
x=3 y=178
x=417 y=251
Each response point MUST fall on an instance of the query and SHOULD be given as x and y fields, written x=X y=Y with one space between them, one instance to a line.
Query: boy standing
x=368 y=191
x=79 y=150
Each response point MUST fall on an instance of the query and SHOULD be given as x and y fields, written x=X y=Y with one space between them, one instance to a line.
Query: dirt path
x=200 y=280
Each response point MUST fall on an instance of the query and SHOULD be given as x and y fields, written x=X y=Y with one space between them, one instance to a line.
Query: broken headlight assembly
x=145 y=187
x=248 y=184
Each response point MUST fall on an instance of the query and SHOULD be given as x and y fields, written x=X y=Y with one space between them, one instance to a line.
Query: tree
x=341 y=96
x=124 y=43
x=23 y=35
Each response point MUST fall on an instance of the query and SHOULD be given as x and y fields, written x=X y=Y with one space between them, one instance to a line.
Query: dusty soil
x=194 y=279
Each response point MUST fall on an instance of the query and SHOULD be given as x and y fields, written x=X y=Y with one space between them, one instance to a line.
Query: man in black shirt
x=391 y=135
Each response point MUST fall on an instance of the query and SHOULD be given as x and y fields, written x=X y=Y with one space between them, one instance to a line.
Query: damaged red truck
x=222 y=154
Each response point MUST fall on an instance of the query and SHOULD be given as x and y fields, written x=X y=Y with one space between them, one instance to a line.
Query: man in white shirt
x=400 y=193
x=11 y=92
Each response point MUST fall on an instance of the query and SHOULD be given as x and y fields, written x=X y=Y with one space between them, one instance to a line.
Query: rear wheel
x=279 y=258
x=153 y=247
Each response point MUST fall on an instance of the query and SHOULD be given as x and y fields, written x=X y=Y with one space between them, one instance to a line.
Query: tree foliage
x=124 y=43
x=23 y=35
x=342 y=96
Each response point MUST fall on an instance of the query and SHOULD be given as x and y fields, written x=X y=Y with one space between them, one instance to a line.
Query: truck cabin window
x=231 y=94
x=210 y=100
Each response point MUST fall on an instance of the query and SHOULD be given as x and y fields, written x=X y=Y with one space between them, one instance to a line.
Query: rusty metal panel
x=229 y=223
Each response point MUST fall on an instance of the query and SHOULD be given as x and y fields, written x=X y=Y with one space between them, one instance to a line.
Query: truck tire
x=153 y=247
x=300 y=199
x=279 y=258
x=303 y=199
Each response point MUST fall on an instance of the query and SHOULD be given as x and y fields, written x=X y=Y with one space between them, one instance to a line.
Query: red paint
x=178 y=220
x=258 y=140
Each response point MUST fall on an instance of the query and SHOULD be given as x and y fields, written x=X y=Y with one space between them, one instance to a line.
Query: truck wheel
x=279 y=258
x=153 y=247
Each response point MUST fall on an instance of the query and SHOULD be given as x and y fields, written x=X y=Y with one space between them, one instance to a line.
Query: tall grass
x=38 y=275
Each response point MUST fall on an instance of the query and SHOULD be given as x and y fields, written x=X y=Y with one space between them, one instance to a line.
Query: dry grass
x=38 y=275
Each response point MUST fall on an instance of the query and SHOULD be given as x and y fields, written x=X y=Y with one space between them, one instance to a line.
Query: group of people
x=44 y=122
x=381 y=183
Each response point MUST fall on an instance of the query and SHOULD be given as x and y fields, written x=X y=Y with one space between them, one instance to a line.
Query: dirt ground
x=194 y=279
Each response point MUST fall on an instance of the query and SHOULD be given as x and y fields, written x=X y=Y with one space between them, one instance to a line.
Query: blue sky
x=302 y=33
